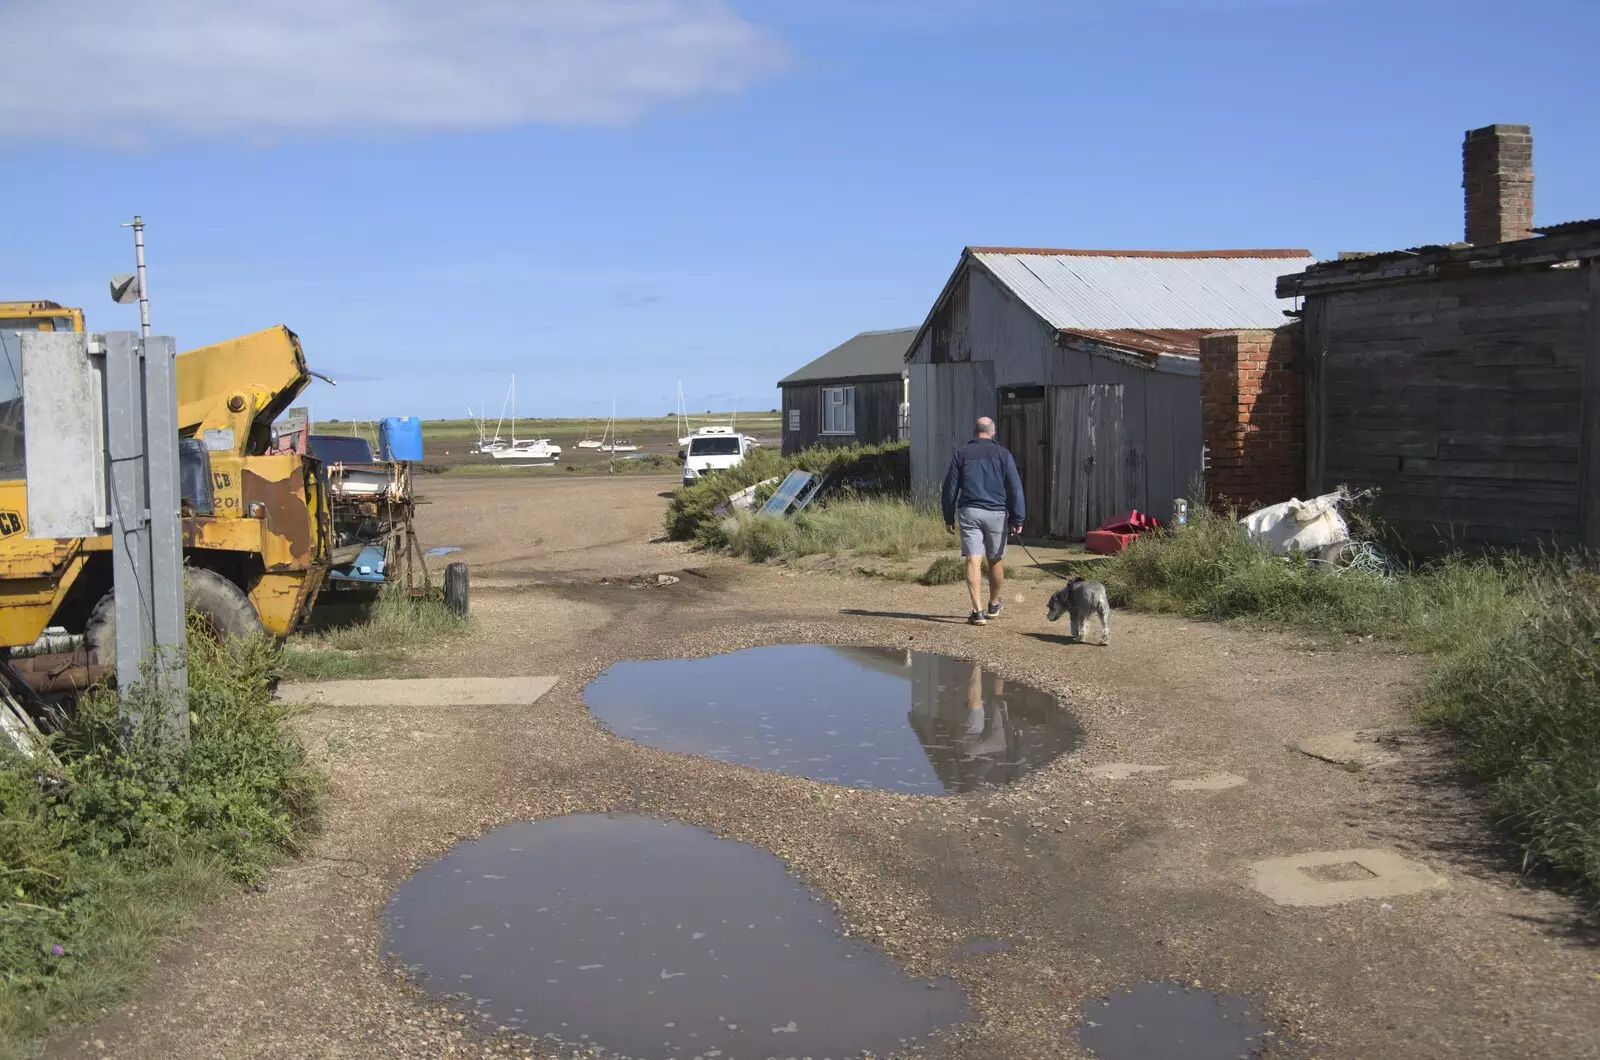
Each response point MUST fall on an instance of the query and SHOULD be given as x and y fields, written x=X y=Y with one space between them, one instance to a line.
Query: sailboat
x=537 y=449
x=486 y=444
x=591 y=443
x=615 y=445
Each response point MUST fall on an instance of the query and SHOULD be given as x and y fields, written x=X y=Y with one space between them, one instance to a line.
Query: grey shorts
x=983 y=532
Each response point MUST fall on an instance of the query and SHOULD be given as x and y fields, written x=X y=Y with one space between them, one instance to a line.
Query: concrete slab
x=1209 y=782
x=1121 y=770
x=419 y=692
x=1346 y=749
x=1333 y=877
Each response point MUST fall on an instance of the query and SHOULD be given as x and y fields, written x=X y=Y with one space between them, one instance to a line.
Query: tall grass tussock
x=1516 y=641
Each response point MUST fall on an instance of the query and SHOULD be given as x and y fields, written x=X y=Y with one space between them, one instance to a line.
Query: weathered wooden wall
x=1461 y=399
x=877 y=413
x=946 y=399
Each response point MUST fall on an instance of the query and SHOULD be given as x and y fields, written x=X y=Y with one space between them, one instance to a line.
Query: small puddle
x=650 y=939
x=864 y=717
x=1169 y=1019
x=444 y=550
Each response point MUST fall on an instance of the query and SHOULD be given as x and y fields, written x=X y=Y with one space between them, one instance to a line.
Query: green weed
x=106 y=855
x=1526 y=704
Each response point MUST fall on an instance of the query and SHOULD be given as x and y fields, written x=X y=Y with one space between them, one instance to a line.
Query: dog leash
x=1029 y=551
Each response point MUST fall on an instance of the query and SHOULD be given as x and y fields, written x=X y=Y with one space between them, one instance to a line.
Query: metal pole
x=130 y=518
x=138 y=262
x=166 y=535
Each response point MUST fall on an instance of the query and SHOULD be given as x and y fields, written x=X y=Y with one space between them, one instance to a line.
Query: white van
x=714 y=449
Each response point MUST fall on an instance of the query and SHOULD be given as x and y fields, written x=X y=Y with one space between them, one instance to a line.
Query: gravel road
x=1101 y=877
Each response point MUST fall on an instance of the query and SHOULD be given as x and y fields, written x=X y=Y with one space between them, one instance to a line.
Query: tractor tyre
x=456 y=594
x=224 y=607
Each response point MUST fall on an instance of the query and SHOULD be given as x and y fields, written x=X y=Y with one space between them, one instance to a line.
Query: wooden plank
x=1488 y=469
x=1069 y=432
x=1589 y=455
x=1314 y=324
x=1109 y=469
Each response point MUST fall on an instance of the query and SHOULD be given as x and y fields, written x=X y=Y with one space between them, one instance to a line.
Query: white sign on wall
x=794 y=419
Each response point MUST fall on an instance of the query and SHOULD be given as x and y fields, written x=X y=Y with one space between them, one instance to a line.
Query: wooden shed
x=852 y=395
x=1464 y=383
x=1088 y=361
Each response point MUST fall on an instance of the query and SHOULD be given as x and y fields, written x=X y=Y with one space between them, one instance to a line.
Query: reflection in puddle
x=650 y=939
x=1168 y=1019
x=866 y=717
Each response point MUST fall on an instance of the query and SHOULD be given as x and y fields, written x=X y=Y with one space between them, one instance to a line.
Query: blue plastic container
x=400 y=438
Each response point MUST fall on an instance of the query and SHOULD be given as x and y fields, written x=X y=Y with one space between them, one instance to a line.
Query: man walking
x=983 y=495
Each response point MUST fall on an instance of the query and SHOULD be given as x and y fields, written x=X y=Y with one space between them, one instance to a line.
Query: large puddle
x=865 y=717
x=1169 y=1019
x=653 y=940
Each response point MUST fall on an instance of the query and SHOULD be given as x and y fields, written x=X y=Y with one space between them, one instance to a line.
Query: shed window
x=839 y=410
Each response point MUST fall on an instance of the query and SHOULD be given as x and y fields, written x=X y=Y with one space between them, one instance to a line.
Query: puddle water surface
x=864 y=717
x=1168 y=1019
x=654 y=940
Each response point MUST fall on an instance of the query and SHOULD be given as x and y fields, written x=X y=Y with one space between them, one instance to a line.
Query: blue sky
x=606 y=196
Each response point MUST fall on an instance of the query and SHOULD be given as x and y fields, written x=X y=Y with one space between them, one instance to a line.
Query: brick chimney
x=1497 y=172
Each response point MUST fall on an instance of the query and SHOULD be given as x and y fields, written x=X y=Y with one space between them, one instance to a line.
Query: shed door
x=1088 y=462
x=1025 y=430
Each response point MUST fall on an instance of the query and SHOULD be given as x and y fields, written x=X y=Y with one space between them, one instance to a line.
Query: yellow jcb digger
x=256 y=551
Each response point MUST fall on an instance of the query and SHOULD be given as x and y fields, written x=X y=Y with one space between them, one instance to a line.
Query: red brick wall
x=1252 y=398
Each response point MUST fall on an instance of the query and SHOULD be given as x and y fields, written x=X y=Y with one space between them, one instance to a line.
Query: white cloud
x=111 y=70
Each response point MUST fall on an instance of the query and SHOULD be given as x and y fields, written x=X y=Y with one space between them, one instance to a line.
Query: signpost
x=101 y=447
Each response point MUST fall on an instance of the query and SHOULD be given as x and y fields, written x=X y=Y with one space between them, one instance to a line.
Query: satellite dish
x=124 y=288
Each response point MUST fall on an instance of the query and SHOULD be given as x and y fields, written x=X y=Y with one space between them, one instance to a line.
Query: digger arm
x=241 y=385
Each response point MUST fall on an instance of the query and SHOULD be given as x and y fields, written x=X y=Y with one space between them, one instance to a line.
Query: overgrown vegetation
x=1210 y=570
x=892 y=529
x=1517 y=641
x=104 y=855
x=1526 y=703
x=858 y=472
x=372 y=639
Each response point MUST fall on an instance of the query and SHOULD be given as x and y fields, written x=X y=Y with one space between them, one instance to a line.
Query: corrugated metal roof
x=1566 y=227
x=1148 y=290
x=868 y=354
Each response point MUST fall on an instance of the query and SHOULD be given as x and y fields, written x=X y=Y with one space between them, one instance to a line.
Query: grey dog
x=1081 y=598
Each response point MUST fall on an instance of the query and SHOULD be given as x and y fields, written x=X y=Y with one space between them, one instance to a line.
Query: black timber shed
x=1464 y=383
x=852 y=395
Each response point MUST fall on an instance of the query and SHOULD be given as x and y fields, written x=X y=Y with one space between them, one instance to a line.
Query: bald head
x=984 y=427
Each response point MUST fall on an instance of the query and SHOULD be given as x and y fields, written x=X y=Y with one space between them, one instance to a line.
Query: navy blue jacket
x=983 y=475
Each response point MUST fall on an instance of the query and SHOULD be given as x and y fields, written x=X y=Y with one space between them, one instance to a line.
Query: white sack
x=1298 y=526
